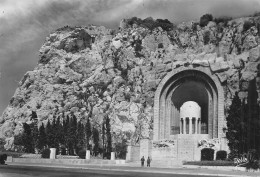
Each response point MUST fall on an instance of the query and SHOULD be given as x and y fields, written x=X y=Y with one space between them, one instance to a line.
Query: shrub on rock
x=204 y=20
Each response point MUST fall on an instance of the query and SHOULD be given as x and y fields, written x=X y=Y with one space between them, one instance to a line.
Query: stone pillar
x=199 y=126
x=52 y=153
x=113 y=157
x=129 y=153
x=196 y=125
x=181 y=126
x=184 y=125
x=145 y=148
x=87 y=154
x=190 y=125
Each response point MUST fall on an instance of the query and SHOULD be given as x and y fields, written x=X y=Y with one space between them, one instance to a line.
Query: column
x=145 y=148
x=196 y=125
x=190 y=125
x=184 y=125
x=199 y=126
x=181 y=124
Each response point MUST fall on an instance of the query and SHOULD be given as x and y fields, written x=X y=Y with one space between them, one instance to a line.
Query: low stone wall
x=39 y=156
x=164 y=152
x=32 y=156
x=64 y=161
x=120 y=162
x=133 y=153
x=67 y=157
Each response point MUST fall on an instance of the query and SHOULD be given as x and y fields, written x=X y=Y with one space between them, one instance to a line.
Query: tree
x=121 y=149
x=109 y=138
x=25 y=139
x=34 y=134
x=243 y=123
x=80 y=136
x=49 y=135
x=243 y=128
x=96 y=141
x=73 y=134
x=66 y=124
x=253 y=117
x=42 y=138
x=57 y=133
x=55 y=126
x=34 y=115
x=88 y=133
x=233 y=126
x=34 y=130
x=204 y=20
x=103 y=139
x=61 y=129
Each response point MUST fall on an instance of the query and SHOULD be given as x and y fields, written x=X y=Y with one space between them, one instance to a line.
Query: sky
x=24 y=25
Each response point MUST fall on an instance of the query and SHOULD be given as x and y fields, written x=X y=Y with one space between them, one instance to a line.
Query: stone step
x=160 y=163
x=165 y=163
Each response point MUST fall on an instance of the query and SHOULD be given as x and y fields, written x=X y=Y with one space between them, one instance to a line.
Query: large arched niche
x=188 y=84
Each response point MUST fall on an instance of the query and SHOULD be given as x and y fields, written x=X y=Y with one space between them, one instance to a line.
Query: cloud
x=26 y=23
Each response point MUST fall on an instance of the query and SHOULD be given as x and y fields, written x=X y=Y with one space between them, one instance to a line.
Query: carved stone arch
x=171 y=82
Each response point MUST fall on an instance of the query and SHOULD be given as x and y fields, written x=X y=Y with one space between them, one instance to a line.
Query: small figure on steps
x=142 y=161
x=148 y=161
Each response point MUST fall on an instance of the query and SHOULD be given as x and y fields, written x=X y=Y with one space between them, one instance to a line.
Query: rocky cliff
x=93 y=71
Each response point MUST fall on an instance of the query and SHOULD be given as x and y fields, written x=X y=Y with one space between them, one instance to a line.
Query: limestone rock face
x=94 y=71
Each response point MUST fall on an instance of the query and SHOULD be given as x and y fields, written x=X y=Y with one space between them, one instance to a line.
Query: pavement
x=133 y=168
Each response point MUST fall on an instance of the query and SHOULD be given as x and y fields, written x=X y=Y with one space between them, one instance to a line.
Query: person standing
x=148 y=161
x=142 y=161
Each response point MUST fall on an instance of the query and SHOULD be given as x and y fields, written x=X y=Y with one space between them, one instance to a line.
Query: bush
x=221 y=155
x=204 y=20
x=121 y=149
x=46 y=153
x=63 y=151
x=207 y=154
x=194 y=27
x=164 y=24
x=150 y=23
x=13 y=154
x=232 y=155
x=210 y=163
x=223 y=20
x=206 y=37
x=3 y=158
x=252 y=157
x=82 y=154
x=247 y=25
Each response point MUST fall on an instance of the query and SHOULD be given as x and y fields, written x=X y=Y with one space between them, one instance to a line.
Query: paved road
x=36 y=171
